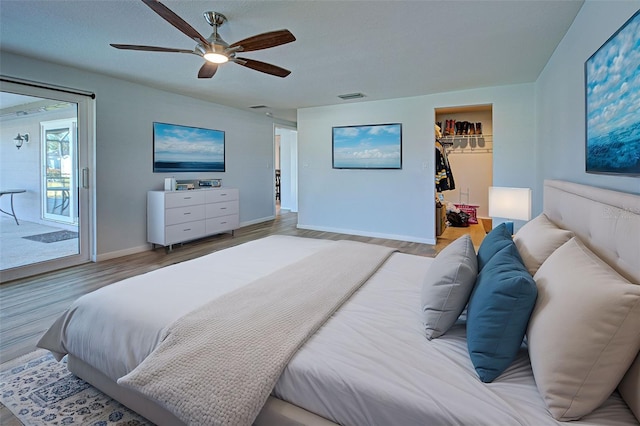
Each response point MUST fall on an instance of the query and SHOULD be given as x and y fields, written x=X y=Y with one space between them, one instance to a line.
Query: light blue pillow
x=492 y=243
x=498 y=313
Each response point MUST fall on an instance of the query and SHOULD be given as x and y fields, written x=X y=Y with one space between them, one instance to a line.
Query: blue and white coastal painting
x=377 y=146
x=187 y=149
x=613 y=103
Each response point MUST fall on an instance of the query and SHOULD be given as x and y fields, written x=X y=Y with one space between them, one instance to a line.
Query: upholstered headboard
x=608 y=222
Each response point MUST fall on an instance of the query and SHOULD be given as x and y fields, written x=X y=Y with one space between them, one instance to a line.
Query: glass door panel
x=59 y=171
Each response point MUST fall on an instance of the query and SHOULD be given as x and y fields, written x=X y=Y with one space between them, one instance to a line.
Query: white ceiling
x=384 y=49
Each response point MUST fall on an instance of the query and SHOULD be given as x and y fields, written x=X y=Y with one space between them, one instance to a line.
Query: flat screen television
x=372 y=146
x=187 y=149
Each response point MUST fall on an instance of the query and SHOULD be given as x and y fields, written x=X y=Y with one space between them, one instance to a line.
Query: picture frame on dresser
x=612 y=90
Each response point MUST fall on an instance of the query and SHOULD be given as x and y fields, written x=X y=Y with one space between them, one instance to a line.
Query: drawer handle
x=223 y=208
x=222 y=223
x=223 y=195
x=186 y=198
x=187 y=213
x=188 y=229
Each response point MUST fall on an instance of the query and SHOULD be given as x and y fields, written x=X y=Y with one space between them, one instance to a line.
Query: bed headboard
x=607 y=221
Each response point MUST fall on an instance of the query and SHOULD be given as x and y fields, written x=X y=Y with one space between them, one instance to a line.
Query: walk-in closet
x=464 y=169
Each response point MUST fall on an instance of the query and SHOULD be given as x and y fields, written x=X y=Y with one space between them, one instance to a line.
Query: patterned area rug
x=52 y=237
x=41 y=391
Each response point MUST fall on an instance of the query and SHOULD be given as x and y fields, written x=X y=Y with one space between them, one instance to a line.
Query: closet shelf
x=467 y=144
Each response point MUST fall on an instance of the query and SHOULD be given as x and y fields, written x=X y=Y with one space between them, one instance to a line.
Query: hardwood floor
x=29 y=306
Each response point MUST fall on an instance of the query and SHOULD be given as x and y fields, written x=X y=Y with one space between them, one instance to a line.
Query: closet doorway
x=467 y=140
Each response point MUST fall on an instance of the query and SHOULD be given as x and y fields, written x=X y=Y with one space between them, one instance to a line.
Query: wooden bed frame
x=603 y=219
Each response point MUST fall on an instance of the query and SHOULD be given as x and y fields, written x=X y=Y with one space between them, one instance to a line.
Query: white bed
x=370 y=363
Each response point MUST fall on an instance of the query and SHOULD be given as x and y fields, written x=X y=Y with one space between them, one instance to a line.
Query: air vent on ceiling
x=351 y=96
x=258 y=106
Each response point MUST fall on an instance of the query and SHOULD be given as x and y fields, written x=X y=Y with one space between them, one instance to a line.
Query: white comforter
x=370 y=364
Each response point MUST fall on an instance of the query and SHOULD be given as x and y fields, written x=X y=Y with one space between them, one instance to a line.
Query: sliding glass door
x=52 y=225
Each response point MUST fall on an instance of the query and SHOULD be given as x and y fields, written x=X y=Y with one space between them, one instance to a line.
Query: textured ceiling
x=384 y=49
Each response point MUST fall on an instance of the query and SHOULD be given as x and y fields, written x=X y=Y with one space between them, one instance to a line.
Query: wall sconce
x=20 y=139
x=510 y=203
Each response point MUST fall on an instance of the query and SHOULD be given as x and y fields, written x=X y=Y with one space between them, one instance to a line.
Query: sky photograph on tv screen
x=187 y=149
x=376 y=146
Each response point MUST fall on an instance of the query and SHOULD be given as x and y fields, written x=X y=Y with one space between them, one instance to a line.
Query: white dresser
x=178 y=216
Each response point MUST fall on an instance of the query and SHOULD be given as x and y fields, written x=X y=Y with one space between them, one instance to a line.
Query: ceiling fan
x=214 y=49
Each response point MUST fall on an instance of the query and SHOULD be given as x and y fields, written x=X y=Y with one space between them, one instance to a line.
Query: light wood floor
x=29 y=306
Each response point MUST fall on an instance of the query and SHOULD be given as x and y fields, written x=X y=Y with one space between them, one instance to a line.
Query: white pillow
x=584 y=330
x=537 y=239
x=447 y=286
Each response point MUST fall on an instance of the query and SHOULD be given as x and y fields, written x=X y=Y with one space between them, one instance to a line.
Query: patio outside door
x=55 y=211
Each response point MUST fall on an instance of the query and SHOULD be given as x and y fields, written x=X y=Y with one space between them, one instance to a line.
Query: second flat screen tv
x=187 y=149
x=374 y=146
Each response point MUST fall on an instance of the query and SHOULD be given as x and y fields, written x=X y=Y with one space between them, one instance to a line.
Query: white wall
x=399 y=204
x=124 y=114
x=560 y=99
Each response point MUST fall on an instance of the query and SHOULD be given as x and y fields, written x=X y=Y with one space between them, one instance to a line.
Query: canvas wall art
x=374 y=146
x=612 y=76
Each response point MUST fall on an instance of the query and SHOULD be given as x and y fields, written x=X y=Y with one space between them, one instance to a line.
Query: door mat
x=52 y=237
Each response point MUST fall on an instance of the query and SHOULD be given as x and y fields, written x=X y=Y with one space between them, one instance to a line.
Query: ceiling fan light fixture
x=216 y=58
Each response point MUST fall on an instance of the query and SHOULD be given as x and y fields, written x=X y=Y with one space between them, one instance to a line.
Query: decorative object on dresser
x=179 y=216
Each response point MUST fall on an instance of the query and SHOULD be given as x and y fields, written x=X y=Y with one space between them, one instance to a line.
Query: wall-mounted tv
x=372 y=146
x=187 y=149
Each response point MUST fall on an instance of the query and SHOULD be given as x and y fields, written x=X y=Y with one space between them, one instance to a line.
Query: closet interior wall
x=472 y=170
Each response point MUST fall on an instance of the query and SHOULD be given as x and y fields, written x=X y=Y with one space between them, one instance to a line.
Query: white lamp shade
x=510 y=203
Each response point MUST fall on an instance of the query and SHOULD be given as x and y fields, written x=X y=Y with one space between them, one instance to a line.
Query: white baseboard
x=254 y=221
x=409 y=238
x=120 y=253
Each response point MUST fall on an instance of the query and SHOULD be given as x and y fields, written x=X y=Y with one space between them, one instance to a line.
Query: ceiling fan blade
x=169 y=16
x=149 y=48
x=265 y=40
x=262 y=67
x=207 y=70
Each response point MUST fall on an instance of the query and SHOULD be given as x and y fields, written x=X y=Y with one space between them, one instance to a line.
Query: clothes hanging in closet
x=444 y=175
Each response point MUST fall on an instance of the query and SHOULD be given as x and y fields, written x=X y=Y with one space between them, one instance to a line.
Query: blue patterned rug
x=41 y=391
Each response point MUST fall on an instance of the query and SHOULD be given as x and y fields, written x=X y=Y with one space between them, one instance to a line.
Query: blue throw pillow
x=492 y=243
x=498 y=313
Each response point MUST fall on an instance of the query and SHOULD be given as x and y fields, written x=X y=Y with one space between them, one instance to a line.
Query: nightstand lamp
x=510 y=203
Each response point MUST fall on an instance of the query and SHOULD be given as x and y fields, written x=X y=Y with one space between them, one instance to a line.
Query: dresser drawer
x=183 y=198
x=221 y=209
x=218 y=195
x=221 y=224
x=184 y=214
x=184 y=232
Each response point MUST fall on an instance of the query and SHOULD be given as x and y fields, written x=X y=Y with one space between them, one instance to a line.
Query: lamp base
x=509 y=225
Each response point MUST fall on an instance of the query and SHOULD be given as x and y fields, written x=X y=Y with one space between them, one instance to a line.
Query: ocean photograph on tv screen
x=187 y=149
x=613 y=103
x=377 y=146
